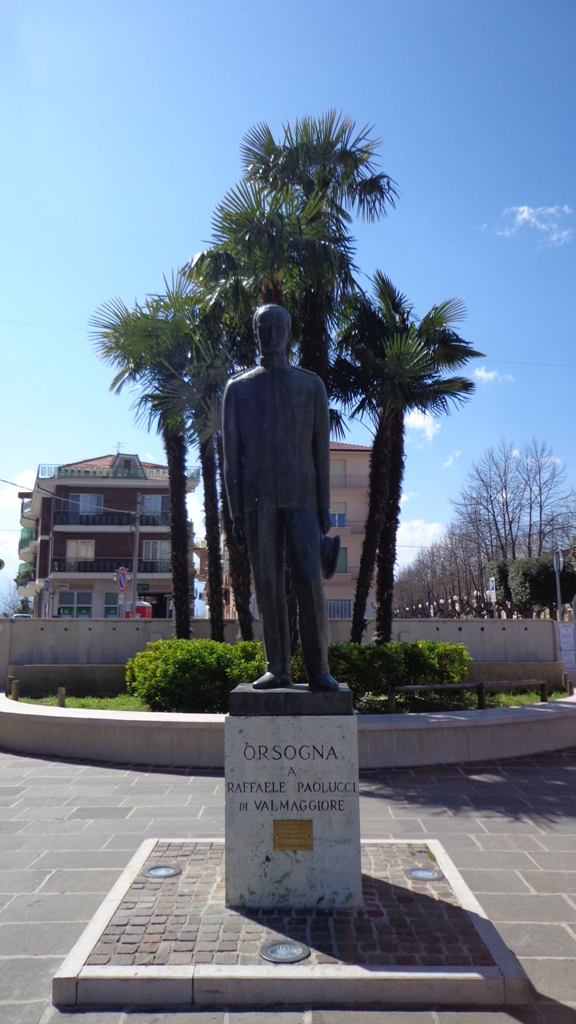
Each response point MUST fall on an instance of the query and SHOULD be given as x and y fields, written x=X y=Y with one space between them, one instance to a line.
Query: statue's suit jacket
x=276 y=432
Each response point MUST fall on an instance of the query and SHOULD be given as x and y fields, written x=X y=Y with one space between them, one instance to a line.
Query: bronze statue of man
x=277 y=471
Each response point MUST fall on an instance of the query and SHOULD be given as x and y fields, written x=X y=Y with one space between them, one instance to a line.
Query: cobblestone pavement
x=183 y=920
x=67 y=830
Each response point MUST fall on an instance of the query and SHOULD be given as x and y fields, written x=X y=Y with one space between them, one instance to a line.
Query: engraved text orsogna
x=278 y=752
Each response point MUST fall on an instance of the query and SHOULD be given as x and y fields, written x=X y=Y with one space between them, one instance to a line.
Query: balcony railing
x=27 y=536
x=46 y=472
x=146 y=567
x=25 y=508
x=359 y=481
x=93 y=519
x=155 y=519
x=107 y=565
x=96 y=519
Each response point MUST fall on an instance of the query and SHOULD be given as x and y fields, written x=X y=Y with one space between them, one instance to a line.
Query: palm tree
x=326 y=162
x=198 y=397
x=390 y=363
x=150 y=346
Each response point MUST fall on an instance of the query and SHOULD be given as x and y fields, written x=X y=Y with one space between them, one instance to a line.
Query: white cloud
x=484 y=376
x=424 y=422
x=415 y=534
x=409 y=494
x=545 y=219
x=452 y=459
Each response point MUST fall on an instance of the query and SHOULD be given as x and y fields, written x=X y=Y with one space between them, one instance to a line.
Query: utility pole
x=136 y=549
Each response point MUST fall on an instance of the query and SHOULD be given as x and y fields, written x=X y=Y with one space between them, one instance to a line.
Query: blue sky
x=121 y=122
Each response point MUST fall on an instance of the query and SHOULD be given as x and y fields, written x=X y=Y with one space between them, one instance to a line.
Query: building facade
x=85 y=520
x=349 y=471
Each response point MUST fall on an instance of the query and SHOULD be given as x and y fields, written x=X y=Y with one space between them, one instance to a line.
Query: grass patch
x=123 y=702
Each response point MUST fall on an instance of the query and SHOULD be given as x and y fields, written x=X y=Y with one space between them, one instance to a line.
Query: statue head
x=272 y=328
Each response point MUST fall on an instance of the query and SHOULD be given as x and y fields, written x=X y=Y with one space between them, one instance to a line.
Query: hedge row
x=197 y=675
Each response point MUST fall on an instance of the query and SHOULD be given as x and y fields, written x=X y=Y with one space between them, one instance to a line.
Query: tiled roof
x=339 y=446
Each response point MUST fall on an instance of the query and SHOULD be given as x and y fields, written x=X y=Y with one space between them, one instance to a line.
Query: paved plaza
x=67 y=830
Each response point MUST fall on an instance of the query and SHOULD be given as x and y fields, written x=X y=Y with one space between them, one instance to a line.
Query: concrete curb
x=197 y=741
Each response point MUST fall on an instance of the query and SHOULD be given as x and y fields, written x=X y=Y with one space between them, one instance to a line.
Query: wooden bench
x=494 y=686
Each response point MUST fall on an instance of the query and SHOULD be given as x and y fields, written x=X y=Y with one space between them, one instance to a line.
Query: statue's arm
x=233 y=454
x=321 y=451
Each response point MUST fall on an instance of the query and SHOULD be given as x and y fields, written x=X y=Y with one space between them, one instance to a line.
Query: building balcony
x=25 y=508
x=27 y=543
x=151 y=567
x=159 y=519
x=103 y=565
x=351 y=481
x=100 y=519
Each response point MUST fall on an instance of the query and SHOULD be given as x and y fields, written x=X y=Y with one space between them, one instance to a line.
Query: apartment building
x=85 y=520
x=349 y=470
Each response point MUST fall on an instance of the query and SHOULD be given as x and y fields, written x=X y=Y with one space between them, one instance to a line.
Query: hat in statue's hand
x=329 y=551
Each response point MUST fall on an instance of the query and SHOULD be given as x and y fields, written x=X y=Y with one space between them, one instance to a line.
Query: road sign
x=558 y=560
x=122 y=580
x=46 y=586
x=492 y=589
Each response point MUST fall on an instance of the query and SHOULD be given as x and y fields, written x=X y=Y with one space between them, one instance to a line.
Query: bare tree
x=515 y=504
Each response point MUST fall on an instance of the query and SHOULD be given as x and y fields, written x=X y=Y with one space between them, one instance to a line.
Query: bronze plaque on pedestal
x=293 y=835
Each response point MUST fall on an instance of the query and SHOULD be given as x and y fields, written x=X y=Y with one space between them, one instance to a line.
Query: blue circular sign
x=122 y=580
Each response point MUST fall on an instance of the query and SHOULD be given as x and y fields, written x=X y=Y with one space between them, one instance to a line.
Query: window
x=86 y=504
x=80 y=550
x=342 y=563
x=338 y=513
x=111 y=605
x=338 y=472
x=66 y=602
x=339 y=609
x=83 y=605
x=155 y=505
x=156 y=550
x=75 y=604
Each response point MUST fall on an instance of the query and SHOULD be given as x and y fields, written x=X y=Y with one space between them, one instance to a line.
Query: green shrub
x=197 y=675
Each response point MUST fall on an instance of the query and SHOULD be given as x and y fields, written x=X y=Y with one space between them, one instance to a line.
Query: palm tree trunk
x=238 y=557
x=377 y=500
x=314 y=339
x=175 y=448
x=386 y=558
x=215 y=596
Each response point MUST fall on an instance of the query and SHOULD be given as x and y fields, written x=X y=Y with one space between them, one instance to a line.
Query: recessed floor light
x=284 y=951
x=162 y=871
x=424 y=874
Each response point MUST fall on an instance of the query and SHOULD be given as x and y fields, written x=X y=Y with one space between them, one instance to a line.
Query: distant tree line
x=514 y=510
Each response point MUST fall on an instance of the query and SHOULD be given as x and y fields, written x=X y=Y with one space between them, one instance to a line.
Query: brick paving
x=183 y=920
x=509 y=826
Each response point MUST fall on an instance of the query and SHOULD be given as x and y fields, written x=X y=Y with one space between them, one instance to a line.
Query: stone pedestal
x=292 y=807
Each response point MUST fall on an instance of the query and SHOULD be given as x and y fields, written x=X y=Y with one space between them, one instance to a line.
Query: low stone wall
x=197 y=741
x=492 y=671
x=79 y=680
x=109 y=680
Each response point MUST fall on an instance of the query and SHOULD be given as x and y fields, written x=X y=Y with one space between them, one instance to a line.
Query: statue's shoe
x=329 y=551
x=270 y=681
x=325 y=682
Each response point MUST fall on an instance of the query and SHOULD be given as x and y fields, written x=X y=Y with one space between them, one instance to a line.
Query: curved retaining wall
x=197 y=741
